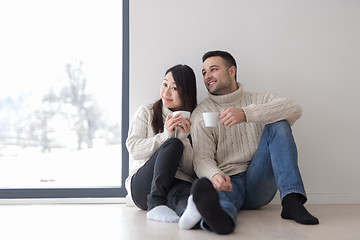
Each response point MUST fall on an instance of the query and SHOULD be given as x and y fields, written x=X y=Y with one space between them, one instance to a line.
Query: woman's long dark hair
x=185 y=81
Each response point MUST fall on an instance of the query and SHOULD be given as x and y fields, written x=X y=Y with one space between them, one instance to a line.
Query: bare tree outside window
x=72 y=105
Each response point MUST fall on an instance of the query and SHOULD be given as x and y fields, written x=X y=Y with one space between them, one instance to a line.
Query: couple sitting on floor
x=183 y=171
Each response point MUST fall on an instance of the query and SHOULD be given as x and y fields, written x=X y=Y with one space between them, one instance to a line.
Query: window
x=64 y=98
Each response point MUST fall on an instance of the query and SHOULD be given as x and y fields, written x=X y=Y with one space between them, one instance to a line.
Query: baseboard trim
x=327 y=198
x=313 y=198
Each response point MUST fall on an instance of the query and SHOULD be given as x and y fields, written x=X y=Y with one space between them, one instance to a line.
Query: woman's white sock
x=162 y=213
x=191 y=215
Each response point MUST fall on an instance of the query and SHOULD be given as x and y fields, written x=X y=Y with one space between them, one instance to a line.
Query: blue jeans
x=273 y=166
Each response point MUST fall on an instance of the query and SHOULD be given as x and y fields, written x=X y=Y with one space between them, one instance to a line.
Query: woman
x=159 y=145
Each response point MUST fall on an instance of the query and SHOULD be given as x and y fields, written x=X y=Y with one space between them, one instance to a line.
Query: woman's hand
x=171 y=122
x=184 y=125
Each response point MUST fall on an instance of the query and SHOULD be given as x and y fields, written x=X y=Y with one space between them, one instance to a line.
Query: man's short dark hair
x=228 y=58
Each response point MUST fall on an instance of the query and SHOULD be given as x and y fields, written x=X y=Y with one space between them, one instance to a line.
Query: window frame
x=110 y=192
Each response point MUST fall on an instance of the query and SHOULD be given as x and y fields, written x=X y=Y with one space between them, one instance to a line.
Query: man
x=242 y=162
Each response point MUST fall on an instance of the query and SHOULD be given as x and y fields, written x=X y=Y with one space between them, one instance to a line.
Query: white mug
x=211 y=119
x=184 y=114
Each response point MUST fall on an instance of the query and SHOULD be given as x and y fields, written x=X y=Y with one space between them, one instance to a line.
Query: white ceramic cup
x=211 y=119
x=184 y=114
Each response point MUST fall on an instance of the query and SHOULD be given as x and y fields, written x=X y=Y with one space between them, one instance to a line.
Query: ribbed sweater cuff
x=249 y=115
x=181 y=136
x=166 y=134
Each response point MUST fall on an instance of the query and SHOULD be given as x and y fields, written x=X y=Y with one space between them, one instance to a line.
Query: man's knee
x=282 y=126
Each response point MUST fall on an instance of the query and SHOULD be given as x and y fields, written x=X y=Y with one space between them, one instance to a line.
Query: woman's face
x=169 y=93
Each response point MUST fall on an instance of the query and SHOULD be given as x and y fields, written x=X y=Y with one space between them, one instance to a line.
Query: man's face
x=218 y=78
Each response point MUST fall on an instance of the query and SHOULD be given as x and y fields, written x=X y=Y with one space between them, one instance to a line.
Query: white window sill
x=63 y=201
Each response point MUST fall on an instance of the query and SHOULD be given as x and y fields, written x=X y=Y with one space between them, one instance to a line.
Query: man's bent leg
x=284 y=158
x=274 y=163
x=278 y=147
x=260 y=184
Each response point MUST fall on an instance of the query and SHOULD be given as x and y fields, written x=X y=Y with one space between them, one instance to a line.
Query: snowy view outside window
x=60 y=93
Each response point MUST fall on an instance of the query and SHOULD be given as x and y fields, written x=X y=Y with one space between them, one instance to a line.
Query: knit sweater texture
x=229 y=150
x=142 y=143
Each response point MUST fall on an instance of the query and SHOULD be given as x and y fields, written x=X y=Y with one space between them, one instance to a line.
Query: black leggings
x=155 y=184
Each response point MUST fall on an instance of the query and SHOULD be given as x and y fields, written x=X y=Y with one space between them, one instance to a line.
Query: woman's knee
x=170 y=152
x=174 y=143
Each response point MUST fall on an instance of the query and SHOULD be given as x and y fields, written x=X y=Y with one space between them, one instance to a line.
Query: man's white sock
x=191 y=215
x=162 y=213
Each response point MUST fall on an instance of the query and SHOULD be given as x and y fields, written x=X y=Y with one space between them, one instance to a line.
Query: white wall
x=308 y=50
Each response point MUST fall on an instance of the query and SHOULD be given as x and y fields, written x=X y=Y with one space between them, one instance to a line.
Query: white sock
x=162 y=213
x=191 y=215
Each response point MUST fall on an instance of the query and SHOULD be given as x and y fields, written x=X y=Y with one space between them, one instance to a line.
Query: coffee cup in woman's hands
x=183 y=114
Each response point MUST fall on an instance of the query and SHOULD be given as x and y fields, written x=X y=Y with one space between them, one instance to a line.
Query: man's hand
x=231 y=116
x=221 y=182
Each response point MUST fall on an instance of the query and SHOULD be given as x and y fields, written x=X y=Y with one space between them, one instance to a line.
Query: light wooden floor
x=116 y=221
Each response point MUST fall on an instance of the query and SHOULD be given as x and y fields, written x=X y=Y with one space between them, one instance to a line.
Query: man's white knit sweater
x=229 y=150
x=142 y=143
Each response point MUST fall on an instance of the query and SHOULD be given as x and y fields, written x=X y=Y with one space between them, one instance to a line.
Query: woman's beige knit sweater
x=229 y=150
x=142 y=143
